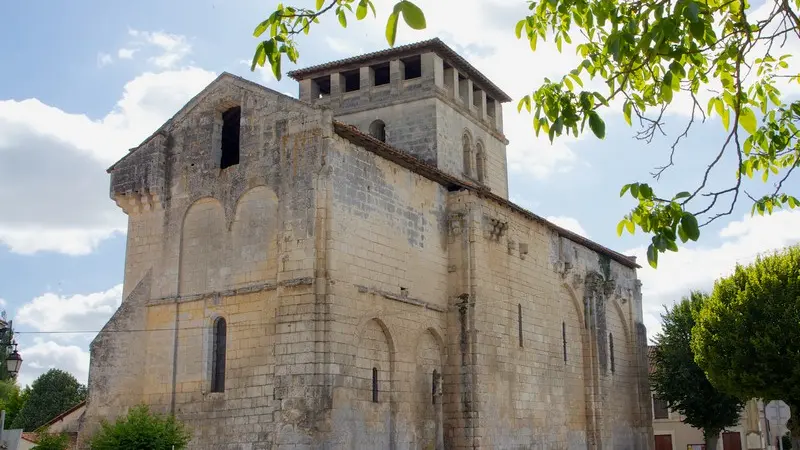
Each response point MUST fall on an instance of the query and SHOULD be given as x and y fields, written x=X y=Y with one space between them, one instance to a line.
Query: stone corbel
x=455 y=222
x=134 y=203
x=495 y=228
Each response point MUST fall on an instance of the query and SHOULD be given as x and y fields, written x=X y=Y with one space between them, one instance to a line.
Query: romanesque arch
x=577 y=372
x=253 y=237
x=202 y=250
x=426 y=385
x=373 y=381
x=622 y=381
x=480 y=161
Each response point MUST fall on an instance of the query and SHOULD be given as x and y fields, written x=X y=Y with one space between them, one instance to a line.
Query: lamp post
x=13 y=364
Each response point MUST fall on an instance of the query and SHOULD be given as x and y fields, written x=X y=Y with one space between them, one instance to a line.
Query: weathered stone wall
x=527 y=391
x=237 y=243
x=388 y=285
x=330 y=263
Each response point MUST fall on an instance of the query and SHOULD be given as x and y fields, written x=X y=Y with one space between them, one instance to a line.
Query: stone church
x=345 y=271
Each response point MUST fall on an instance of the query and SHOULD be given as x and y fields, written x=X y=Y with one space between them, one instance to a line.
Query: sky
x=83 y=82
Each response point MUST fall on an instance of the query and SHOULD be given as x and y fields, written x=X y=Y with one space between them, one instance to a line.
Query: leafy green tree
x=747 y=335
x=52 y=441
x=678 y=380
x=142 y=430
x=11 y=399
x=51 y=394
x=723 y=55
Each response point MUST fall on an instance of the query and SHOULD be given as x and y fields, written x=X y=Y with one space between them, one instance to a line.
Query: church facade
x=345 y=271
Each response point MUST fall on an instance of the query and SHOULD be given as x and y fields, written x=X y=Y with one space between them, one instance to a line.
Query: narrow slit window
x=230 y=137
x=375 y=385
x=519 y=322
x=564 y=339
x=611 y=350
x=434 y=386
x=218 y=356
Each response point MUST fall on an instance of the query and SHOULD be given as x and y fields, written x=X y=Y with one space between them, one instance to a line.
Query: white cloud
x=570 y=223
x=174 y=47
x=51 y=315
x=52 y=312
x=698 y=267
x=104 y=59
x=126 y=53
x=43 y=355
x=60 y=203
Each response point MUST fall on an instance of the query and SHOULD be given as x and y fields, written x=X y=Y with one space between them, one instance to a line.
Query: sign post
x=777 y=412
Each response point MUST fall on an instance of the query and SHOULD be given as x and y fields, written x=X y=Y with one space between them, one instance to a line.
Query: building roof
x=435 y=45
x=63 y=414
x=426 y=170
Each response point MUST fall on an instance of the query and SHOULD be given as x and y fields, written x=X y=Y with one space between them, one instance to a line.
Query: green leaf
x=630 y=226
x=412 y=15
x=319 y=4
x=747 y=119
x=689 y=225
x=626 y=110
x=391 y=27
x=259 y=57
x=597 y=125
x=726 y=118
x=652 y=256
x=342 y=19
x=624 y=189
x=621 y=226
x=682 y=234
x=681 y=195
x=262 y=27
x=361 y=10
x=518 y=30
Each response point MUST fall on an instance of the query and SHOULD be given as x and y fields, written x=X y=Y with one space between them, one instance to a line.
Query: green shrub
x=54 y=441
x=141 y=430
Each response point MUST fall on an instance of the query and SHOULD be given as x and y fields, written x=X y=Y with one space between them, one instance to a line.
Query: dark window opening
x=381 y=74
x=218 y=356
x=490 y=106
x=378 y=130
x=564 y=338
x=374 y=385
x=412 y=67
x=660 y=408
x=324 y=85
x=465 y=142
x=519 y=322
x=434 y=385
x=231 y=120
x=480 y=164
x=352 y=80
x=611 y=350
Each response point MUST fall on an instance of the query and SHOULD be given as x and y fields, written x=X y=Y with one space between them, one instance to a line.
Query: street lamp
x=14 y=362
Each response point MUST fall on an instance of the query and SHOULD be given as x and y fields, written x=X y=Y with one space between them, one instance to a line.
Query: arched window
x=611 y=350
x=218 y=356
x=467 y=143
x=480 y=163
x=375 y=385
x=378 y=130
x=564 y=339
